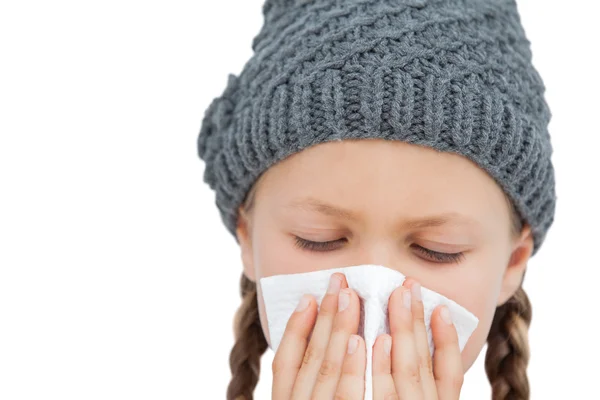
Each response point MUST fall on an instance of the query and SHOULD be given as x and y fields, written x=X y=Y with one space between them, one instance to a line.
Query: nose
x=380 y=252
x=386 y=253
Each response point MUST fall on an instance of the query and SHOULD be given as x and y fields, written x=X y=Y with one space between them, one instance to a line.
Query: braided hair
x=250 y=341
x=250 y=345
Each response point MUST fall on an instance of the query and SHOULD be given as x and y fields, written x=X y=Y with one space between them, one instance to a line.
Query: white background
x=117 y=278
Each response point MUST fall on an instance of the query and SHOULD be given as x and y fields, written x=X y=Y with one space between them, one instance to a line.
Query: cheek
x=263 y=315
x=479 y=337
x=478 y=294
x=274 y=253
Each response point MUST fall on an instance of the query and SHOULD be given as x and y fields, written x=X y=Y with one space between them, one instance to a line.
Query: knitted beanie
x=452 y=75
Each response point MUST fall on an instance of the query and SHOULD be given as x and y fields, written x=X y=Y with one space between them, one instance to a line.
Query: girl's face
x=388 y=203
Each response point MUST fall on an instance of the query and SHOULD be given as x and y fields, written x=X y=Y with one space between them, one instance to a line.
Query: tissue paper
x=374 y=284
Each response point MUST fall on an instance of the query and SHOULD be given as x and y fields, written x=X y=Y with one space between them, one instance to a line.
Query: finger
x=344 y=325
x=352 y=381
x=319 y=340
x=421 y=340
x=383 y=383
x=289 y=355
x=447 y=361
x=405 y=362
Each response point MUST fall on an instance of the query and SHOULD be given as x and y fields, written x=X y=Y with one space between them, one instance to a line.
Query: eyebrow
x=312 y=204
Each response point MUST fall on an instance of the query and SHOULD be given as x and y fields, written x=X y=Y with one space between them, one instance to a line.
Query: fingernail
x=303 y=303
x=335 y=283
x=343 y=300
x=445 y=314
x=416 y=291
x=387 y=345
x=352 y=344
x=406 y=299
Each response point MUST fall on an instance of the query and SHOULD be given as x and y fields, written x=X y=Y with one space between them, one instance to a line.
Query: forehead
x=371 y=176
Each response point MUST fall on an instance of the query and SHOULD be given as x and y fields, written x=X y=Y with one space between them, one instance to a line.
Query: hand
x=402 y=366
x=330 y=362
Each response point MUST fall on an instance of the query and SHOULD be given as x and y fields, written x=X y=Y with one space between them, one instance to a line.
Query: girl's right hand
x=330 y=362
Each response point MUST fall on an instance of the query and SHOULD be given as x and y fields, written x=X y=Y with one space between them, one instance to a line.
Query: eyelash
x=316 y=246
x=438 y=257
x=441 y=257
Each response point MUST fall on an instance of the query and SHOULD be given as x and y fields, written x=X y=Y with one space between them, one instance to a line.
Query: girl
x=405 y=133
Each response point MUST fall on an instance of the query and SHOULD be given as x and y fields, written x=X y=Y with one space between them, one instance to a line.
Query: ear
x=513 y=275
x=245 y=242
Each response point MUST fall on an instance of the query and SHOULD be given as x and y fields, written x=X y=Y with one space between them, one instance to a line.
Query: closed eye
x=441 y=258
x=318 y=246
x=427 y=254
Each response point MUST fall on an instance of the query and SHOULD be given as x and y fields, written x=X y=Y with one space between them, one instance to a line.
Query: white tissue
x=374 y=284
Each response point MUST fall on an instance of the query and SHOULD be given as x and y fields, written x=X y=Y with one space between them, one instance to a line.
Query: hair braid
x=250 y=345
x=508 y=349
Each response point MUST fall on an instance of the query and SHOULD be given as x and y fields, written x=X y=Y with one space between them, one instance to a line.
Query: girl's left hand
x=402 y=366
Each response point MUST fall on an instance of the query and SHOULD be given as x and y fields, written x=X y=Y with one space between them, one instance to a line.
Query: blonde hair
x=506 y=357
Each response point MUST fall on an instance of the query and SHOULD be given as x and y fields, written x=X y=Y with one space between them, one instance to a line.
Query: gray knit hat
x=453 y=75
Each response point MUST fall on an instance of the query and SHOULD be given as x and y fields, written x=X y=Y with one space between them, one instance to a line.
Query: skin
x=377 y=191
